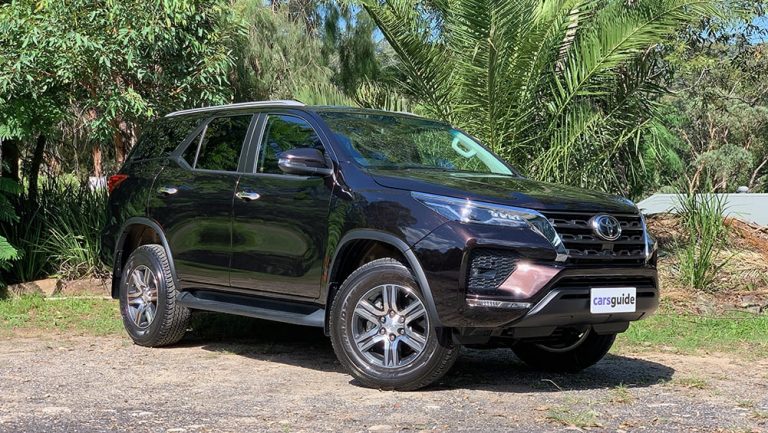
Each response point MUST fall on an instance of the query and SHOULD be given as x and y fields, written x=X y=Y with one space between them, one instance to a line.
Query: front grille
x=585 y=247
x=488 y=268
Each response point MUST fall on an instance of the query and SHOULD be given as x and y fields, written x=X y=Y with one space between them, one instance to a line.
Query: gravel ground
x=289 y=381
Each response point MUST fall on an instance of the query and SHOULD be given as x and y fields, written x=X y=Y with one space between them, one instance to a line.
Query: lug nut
x=401 y=331
x=383 y=319
x=392 y=337
x=383 y=331
x=402 y=319
x=391 y=313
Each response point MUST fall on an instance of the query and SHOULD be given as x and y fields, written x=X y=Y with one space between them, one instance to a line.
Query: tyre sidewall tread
x=171 y=319
x=437 y=358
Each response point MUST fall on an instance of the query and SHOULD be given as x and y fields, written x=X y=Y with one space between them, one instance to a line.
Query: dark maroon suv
x=403 y=237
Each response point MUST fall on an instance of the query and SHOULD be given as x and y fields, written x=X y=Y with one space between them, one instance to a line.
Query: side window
x=161 y=137
x=219 y=146
x=284 y=133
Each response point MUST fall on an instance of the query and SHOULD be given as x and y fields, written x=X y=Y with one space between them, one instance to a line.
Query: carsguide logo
x=613 y=300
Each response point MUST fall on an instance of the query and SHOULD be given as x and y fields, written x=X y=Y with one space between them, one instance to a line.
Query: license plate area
x=610 y=300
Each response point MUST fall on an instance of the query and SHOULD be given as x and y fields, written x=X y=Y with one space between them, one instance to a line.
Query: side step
x=260 y=308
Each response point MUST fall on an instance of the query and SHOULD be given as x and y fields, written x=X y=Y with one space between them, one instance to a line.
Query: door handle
x=248 y=195
x=167 y=190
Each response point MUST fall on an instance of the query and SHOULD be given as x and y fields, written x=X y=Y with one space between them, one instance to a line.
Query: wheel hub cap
x=141 y=305
x=390 y=326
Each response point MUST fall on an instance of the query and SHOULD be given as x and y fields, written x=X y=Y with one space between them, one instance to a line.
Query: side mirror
x=306 y=161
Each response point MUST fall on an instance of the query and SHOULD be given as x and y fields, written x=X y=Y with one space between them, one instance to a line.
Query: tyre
x=148 y=299
x=571 y=354
x=382 y=332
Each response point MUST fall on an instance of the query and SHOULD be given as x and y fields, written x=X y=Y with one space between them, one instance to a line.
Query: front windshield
x=378 y=140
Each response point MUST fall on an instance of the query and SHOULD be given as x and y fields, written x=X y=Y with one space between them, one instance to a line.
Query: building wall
x=748 y=207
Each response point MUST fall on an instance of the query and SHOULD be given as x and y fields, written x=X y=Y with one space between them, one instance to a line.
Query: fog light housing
x=527 y=280
x=493 y=303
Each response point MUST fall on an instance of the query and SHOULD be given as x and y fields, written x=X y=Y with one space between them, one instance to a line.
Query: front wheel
x=382 y=332
x=574 y=352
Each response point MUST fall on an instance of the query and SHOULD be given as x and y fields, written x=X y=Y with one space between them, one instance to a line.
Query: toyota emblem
x=606 y=227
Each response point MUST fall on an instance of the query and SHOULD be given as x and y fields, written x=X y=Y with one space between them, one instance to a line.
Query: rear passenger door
x=280 y=224
x=192 y=200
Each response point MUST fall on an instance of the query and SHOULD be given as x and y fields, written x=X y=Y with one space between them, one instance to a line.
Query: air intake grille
x=489 y=268
x=584 y=246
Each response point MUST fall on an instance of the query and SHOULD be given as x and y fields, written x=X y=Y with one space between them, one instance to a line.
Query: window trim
x=263 y=121
x=200 y=131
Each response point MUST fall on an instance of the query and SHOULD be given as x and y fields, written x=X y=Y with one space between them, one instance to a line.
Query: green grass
x=691 y=382
x=78 y=316
x=569 y=417
x=737 y=332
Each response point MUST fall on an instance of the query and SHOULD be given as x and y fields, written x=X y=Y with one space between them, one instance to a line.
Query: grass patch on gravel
x=82 y=316
x=569 y=417
x=737 y=332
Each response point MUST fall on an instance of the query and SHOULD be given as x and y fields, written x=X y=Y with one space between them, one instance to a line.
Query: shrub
x=8 y=189
x=702 y=216
x=59 y=234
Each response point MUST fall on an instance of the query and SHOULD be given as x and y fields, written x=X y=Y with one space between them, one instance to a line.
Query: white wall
x=748 y=207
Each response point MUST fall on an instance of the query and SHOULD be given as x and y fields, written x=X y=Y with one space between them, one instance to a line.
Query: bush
x=8 y=190
x=707 y=233
x=60 y=233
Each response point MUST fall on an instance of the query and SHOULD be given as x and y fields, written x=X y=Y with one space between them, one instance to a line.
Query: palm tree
x=565 y=89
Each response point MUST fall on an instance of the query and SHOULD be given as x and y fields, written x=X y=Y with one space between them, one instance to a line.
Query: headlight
x=468 y=211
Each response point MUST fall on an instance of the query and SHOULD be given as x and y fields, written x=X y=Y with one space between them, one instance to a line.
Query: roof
x=240 y=105
x=283 y=104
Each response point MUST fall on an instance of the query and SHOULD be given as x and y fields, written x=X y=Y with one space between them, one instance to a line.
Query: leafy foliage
x=703 y=219
x=277 y=58
x=8 y=188
x=719 y=104
x=109 y=65
x=564 y=88
x=60 y=234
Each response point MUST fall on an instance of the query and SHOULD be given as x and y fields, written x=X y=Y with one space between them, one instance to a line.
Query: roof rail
x=255 y=104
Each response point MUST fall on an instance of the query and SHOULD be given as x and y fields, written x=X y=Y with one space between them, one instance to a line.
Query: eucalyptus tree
x=566 y=89
x=114 y=63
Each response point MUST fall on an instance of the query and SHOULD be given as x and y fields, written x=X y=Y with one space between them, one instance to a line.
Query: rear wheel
x=382 y=332
x=148 y=305
x=571 y=353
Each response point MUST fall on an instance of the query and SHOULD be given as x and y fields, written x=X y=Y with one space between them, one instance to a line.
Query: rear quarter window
x=162 y=136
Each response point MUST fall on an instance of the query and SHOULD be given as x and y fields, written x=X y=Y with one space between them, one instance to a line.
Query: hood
x=508 y=190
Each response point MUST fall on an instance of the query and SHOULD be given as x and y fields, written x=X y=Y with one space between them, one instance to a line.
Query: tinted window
x=220 y=146
x=403 y=142
x=162 y=136
x=284 y=133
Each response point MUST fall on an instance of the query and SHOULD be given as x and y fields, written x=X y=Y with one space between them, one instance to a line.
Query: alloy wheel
x=141 y=305
x=390 y=326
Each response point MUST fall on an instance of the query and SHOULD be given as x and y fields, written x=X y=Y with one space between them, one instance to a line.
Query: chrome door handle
x=247 y=195
x=167 y=190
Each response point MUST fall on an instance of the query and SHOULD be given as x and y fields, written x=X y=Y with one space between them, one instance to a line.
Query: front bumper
x=562 y=301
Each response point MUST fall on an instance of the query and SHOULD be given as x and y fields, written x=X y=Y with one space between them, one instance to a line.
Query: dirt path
x=291 y=382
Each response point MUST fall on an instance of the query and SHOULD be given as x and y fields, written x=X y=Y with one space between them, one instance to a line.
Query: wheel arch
x=135 y=232
x=348 y=244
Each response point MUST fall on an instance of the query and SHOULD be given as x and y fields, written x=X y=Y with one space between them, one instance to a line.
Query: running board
x=267 y=309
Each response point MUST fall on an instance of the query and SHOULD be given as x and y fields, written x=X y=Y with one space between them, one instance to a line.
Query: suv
x=402 y=237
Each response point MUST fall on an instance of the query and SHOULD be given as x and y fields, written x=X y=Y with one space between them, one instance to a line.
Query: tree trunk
x=119 y=142
x=96 y=153
x=124 y=140
x=34 y=167
x=10 y=152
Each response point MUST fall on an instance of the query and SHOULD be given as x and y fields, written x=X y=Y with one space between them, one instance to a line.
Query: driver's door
x=280 y=225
